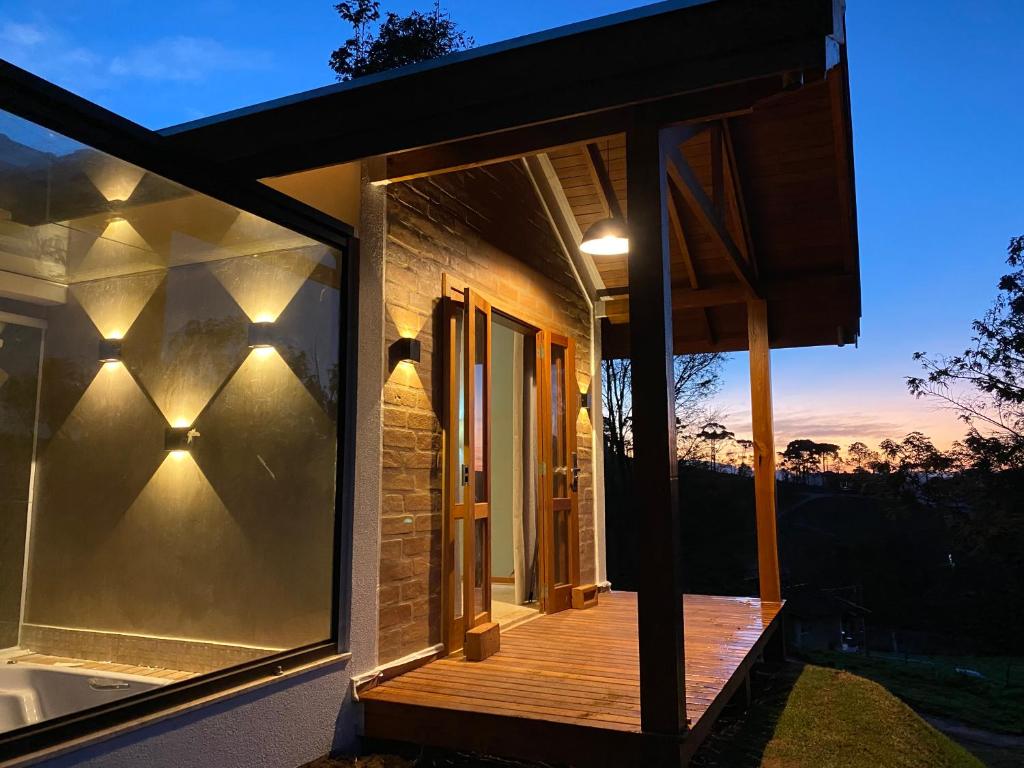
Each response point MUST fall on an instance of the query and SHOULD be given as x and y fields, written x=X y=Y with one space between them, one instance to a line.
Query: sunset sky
x=938 y=121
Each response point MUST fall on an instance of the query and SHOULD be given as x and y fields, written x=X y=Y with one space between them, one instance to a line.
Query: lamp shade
x=607 y=237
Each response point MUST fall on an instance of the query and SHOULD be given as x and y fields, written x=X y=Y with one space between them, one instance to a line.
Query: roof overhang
x=762 y=70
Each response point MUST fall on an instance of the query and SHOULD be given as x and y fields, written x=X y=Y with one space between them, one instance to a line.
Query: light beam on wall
x=115 y=179
x=263 y=285
x=113 y=305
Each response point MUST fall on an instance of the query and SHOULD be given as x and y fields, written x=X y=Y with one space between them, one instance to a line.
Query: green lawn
x=833 y=718
x=932 y=684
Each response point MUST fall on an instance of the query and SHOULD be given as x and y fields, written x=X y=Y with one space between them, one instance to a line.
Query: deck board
x=571 y=670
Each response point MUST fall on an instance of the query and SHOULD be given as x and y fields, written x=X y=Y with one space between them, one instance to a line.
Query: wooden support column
x=655 y=468
x=764 y=449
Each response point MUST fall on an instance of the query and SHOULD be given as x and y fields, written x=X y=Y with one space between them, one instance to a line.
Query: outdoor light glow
x=181 y=423
x=263 y=352
x=606 y=237
x=264 y=317
x=178 y=455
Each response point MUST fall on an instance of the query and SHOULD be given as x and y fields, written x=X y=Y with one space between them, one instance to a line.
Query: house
x=304 y=400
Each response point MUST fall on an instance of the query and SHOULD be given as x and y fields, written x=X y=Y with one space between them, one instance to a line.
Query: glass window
x=458 y=347
x=177 y=468
x=480 y=435
x=559 y=463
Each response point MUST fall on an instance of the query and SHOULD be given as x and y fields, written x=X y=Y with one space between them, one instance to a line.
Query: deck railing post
x=655 y=466
x=764 y=449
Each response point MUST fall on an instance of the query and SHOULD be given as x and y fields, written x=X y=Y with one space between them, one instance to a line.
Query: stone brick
x=398 y=525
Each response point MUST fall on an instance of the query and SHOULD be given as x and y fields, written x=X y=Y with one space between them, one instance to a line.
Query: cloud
x=852 y=425
x=53 y=54
x=185 y=59
x=22 y=35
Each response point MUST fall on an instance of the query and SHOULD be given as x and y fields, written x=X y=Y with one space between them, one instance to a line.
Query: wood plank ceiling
x=760 y=205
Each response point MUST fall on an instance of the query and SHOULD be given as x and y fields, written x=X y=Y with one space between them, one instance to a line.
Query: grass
x=834 y=718
x=932 y=684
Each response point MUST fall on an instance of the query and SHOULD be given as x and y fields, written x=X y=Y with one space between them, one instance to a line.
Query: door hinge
x=542 y=468
x=540 y=352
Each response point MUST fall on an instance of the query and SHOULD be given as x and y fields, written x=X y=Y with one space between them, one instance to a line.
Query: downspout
x=552 y=199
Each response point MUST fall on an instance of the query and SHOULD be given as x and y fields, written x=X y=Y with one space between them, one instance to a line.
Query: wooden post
x=764 y=449
x=655 y=467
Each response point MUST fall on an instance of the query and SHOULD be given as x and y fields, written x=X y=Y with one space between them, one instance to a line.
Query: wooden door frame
x=453 y=300
x=556 y=599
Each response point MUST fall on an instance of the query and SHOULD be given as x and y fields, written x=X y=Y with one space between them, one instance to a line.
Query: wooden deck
x=566 y=688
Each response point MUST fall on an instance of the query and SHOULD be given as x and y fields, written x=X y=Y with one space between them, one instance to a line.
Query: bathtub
x=30 y=693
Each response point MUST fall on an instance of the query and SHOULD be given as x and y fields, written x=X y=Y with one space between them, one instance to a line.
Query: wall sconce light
x=261 y=335
x=179 y=439
x=585 y=401
x=110 y=350
x=405 y=350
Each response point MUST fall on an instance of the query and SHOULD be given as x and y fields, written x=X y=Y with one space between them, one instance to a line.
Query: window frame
x=33 y=99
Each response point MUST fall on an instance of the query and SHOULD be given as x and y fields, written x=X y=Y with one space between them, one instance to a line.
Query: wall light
x=261 y=335
x=585 y=401
x=178 y=440
x=110 y=350
x=405 y=350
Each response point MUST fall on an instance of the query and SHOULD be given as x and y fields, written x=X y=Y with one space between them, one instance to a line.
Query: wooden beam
x=685 y=181
x=655 y=495
x=764 y=449
x=737 y=204
x=484 y=150
x=676 y=225
x=602 y=181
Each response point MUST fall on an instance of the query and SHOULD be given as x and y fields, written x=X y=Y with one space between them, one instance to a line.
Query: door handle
x=465 y=474
x=575 y=472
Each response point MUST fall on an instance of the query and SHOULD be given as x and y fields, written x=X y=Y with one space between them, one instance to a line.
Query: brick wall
x=485 y=229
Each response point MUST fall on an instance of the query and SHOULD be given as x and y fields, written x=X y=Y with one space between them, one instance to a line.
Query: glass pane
x=479 y=408
x=559 y=464
x=460 y=565
x=459 y=353
x=20 y=348
x=480 y=564
x=561 y=521
x=187 y=423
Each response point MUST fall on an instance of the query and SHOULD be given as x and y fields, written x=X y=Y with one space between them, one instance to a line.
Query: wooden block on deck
x=482 y=641
x=584 y=596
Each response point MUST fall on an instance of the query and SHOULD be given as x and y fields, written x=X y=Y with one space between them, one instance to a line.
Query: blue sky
x=938 y=141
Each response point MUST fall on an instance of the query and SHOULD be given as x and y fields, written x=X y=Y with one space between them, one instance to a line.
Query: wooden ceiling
x=760 y=206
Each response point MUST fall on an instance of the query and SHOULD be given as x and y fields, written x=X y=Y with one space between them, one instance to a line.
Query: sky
x=938 y=120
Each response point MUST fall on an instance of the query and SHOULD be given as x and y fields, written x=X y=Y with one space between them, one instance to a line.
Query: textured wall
x=486 y=230
x=230 y=544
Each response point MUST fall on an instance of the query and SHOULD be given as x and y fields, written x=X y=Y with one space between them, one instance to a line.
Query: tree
x=697 y=378
x=861 y=458
x=714 y=434
x=804 y=456
x=915 y=456
x=984 y=385
x=398 y=41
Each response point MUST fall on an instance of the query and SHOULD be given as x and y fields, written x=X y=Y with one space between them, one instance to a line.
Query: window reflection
x=175 y=555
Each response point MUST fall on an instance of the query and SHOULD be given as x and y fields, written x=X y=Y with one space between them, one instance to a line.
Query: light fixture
x=110 y=350
x=261 y=335
x=606 y=237
x=178 y=440
x=404 y=350
x=585 y=401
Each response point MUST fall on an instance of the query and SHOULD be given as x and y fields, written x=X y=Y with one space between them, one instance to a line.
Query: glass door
x=468 y=535
x=560 y=529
